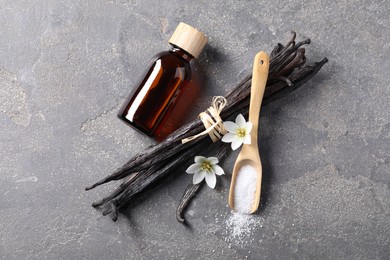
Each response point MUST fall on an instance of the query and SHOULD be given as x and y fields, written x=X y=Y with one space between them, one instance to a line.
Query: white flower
x=205 y=168
x=238 y=132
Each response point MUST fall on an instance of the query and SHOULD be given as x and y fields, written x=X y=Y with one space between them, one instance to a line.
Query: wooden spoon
x=249 y=154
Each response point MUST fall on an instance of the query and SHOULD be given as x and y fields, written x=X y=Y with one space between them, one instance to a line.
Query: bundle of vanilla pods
x=287 y=72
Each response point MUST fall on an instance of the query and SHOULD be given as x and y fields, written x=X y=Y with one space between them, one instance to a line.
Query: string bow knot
x=212 y=121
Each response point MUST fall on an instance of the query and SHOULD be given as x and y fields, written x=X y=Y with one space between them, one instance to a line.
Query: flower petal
x=198 y=177
x=196 y=167
x=228 y=138
x=199 y=159
x=230 y=126
x=240 y=121
x=248 y=127
x=211 y=180
x=212 y=160
x=218 y=170
x=247 y=139
x=236 y=143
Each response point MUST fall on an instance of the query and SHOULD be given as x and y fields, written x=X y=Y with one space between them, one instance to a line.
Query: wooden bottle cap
x=189 y=39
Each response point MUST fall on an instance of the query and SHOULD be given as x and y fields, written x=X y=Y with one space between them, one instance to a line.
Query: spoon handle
x=259 y=81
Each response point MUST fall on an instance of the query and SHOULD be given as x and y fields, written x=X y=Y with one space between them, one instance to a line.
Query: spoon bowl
x=249 y=154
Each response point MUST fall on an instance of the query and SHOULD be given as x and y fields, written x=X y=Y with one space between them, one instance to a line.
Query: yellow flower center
x=206 y=166
x=241 y=132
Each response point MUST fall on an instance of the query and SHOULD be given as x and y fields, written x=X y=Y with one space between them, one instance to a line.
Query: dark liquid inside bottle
x=149 y=105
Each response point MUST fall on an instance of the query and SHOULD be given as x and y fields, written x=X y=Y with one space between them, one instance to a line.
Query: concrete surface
x=66 y=67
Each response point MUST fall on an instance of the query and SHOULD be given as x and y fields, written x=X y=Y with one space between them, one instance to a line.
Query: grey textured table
x=67 y=66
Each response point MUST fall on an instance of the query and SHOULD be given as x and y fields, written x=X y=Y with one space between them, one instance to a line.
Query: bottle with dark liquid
x=154 y=97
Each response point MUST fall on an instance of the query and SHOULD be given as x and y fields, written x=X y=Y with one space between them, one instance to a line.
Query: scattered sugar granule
x=239 y=228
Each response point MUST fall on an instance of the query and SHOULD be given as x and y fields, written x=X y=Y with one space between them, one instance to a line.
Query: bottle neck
x=180 y=52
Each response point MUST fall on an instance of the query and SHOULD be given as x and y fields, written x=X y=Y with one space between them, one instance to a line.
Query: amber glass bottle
x=153 y=98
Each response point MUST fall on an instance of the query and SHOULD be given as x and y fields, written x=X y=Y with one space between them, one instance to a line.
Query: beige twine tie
x=211 y=121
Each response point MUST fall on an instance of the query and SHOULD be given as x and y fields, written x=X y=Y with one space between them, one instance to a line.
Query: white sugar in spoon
x=248 y=160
